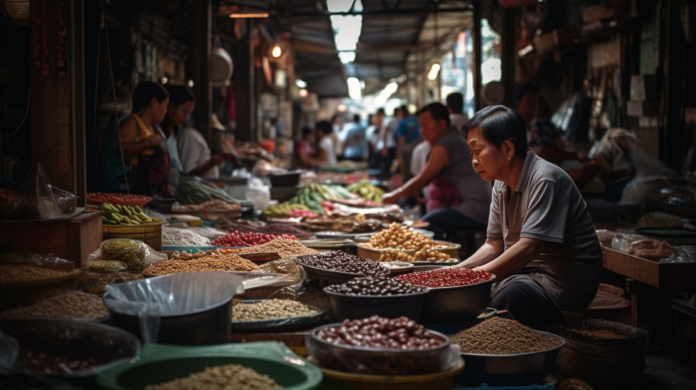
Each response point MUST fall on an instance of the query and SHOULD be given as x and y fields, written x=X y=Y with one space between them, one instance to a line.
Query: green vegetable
x=131 y=252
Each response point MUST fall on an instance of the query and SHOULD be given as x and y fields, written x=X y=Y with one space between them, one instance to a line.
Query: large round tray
x=390 y=306
x=374 y=254
x=510 y=370
x=278 y=324
x=456 y=304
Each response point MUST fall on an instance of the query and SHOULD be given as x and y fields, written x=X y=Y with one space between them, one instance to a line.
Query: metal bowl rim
x=557 y=337
x=341 y=273
x=436 y=289
x=378 y=296
x=442 y=346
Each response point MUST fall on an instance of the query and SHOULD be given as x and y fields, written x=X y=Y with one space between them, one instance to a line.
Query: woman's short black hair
x=145 y=92
x=306 y=131
x=499 y=124
x=324 y=126
x=455 y=101
x=180 y=94
x=437 y=111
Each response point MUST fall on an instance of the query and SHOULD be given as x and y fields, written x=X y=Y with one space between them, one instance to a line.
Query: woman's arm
x=490 y=250
x=438 y=160
x=514 y=259
x=128 y=133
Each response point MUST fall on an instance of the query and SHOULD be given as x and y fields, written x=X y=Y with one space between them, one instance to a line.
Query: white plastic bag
x=685 y=254
x=171 y=295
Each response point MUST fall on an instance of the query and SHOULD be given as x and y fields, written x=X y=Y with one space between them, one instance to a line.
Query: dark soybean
x=370 y=285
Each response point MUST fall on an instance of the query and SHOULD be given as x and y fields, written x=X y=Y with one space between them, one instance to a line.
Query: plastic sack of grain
x=135 y=254
x=173 y=296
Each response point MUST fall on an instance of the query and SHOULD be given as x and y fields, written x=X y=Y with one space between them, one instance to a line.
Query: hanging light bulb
x=303 y=92
x=277 y=51
x=434 y=70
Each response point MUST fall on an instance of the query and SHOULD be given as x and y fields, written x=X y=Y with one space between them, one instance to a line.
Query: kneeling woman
x=538 y=219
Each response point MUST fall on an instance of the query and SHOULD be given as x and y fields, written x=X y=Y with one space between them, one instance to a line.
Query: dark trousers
x=527 y=301
x=447 y=219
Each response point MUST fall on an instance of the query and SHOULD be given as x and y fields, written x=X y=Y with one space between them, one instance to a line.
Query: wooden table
x=637 y=269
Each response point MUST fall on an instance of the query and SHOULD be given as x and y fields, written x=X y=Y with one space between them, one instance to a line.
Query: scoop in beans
x=369 y=285
x=382 y=333
x=342 y=262
x=446 y=277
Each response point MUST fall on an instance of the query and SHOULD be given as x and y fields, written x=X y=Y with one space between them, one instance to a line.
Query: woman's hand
x=154 y=140
x=391 y=198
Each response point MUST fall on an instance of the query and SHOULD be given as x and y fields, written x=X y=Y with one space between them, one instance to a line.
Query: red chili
x=237 y=238
x=446 y=277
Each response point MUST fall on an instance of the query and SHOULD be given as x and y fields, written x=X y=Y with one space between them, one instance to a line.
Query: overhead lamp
x=258 y=15
x=303 y=92
x=341 y=108
x=434 y=70
x=164 y=80
x=276 y=51
x=190 y=83
x=300 y=83
x=354 y=90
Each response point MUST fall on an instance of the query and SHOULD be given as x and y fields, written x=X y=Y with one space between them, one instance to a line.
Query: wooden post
x=201 y=51
x=244 y=86
x=477 y=56
x=508 y=60
x=673 y=133
x=57 y=93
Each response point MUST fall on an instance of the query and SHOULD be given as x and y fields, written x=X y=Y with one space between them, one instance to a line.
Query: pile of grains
x=237 y=238
x=397 y=237
x=240 y=225
x=500 y=336
x=342 y=262
x=446 y=277
x=217 y=262
x=285 y=248
x=375 y=286
x=182 y=237
x=601 y=333
x=283 y=267
x=67 y=305
x=271 y=309
x=26 y=273
x=432 y=255
x=230 y=376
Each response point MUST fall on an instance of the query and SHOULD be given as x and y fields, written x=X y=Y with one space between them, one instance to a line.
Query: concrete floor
x=664 y=372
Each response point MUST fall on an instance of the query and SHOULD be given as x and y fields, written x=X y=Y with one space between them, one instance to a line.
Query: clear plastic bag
x=40 y=198
x=307 y=293
x=135 y=254
x=29 y=258
x=171 y=295
x=9 y=349
x=621 y=242
x=96 y=282
x=685 y=254
x=605 y=237
x=107 y=266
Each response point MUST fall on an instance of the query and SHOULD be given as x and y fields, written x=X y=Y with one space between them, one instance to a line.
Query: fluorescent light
x=249 y=16
x=346 y=57
x=354 y=88
x=300 y=83
x=164 y=80
x=525 y=50
x=341 y=108
x=434 y=70
x=385 y=94
x=303 y=92
x=276 y=51
x=190 y=83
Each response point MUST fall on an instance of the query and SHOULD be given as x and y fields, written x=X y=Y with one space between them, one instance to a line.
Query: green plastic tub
x=162 y=363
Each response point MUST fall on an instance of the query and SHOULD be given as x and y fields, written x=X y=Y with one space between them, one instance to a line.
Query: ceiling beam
x=381 y=12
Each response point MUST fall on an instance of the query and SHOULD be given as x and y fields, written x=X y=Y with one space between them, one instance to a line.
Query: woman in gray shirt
x=537 y=218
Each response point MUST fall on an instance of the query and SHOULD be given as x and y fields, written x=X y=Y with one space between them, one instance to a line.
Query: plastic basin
x=163 y=363
x=390 y=306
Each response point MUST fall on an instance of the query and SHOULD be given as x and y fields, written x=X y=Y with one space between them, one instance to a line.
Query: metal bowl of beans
x=328 y=353
x=326 y=276
x=511 y=370
x=367 y=301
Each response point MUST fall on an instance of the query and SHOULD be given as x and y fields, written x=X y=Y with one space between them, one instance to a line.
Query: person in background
x=538 y=218
x=304 y=149
x=419 y=159
x=457 y=197
x=181 y=104
x=140 y=144
x=543 y=137
x=336 y=126
x=326 y=150
x=455 y=105
x=353 y=142
x=196 y=158
x=387 y=143
x=407 y=135
x=372 y=135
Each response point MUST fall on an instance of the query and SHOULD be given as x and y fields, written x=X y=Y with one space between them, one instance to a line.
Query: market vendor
x=537 y=219
x=457 y=197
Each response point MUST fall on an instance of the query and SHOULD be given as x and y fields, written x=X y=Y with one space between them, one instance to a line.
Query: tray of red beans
x=381 y=346
x=337 y=267
x=456 y=294
x=73 y=350
x=382 y=296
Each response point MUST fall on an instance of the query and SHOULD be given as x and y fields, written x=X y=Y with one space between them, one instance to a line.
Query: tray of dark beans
x=381 y=346
x=382 y=296
x=337 y=267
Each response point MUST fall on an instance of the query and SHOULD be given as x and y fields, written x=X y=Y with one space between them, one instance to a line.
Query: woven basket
x=150 y=233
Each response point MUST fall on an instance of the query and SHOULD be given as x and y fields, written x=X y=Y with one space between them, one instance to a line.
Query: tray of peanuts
x=397 y=243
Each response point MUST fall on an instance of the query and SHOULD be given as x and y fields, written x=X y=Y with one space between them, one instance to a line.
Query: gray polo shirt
x=547 y=206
